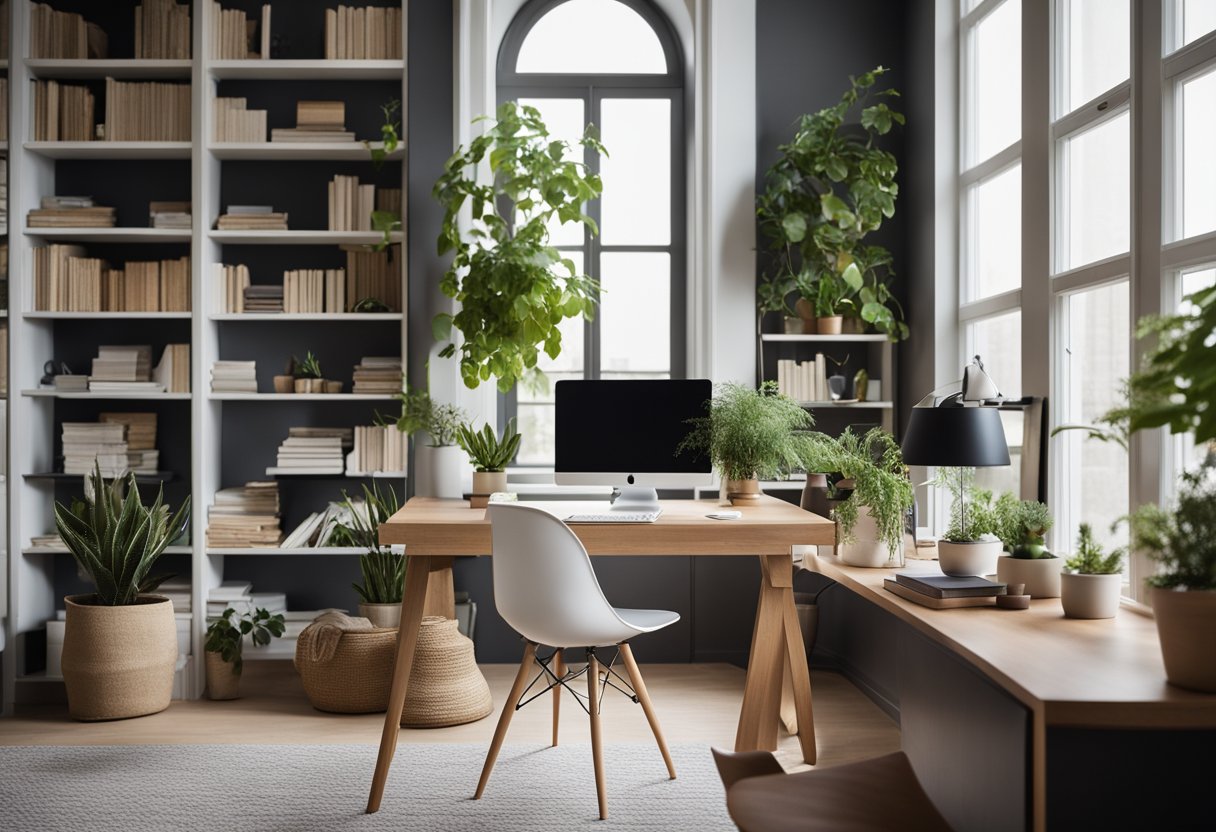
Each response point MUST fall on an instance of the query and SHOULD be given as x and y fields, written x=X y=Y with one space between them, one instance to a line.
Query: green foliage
x=419 y=412
x=831 y=188
x=513 y=287
x=310 y=367
x=383 y=570
x=225 y=635
x=370 y=304
x=874 y=467
x=973 y=514
x=1183 y=541
x=385 y=222
x=116 y=539
x=486 y=451
x=1091 y=558
x=1023 y=525
x=383 y=574
x=753 y=433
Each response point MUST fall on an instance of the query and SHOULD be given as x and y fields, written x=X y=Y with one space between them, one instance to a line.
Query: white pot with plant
x=120 y=642
x=224 y=647
x=970 y=545
x=1023 y=528
x=490 y=455
x=382 y=570
x=1092 y=581
x=441 y=468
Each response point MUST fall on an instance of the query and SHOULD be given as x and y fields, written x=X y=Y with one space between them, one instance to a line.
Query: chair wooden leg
x=593 y=692
x=559 y=670
x=639 y=687
x=504 y=721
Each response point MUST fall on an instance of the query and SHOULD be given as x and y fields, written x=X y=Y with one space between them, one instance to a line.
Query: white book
x=821 y=378
x=229 y=590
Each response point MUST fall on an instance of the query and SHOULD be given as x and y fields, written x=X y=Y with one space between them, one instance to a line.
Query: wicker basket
x=446 y=687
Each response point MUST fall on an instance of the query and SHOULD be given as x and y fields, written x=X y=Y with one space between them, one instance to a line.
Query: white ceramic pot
x=442 y=471
x=1040 y=576
x=976 y=557
x=1090 y=596
x=866 y=549
x=385 y=616
x=1186 y=627
x=489 y=482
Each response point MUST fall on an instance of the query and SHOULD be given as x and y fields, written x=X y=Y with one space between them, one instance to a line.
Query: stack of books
x=71 y=383
x=56 y=34
x=234 y=377
x=169 y=215
x=378 y=449
x=147 y=111
x=123 y=369
x=373 y=274
x=350 y=204
x=234 y=35
x=361 y=33
x=803 y=381
x=245 y=517
x=377 y=374
x=63 y=112
x=177 y=590
x=162 y=29
x=314 y=290
x=67 y=281
x=944 y=591
x=252 y=218
x=104 y=444
x=239 y=595
x=234 y=123
x=140 y=428
x=261 y=298
x=173 y=371
x=71 y=212
x=308 y=450
x=51 y=542
x=316 y=121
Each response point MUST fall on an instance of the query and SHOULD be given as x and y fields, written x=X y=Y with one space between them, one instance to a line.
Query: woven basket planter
x=446 y=688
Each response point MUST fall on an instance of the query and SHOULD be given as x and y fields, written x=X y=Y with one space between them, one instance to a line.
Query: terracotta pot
x=1186 y=628
x=223 y=682
x=866 y=549
x=118 y=662
x=385 y=616
x=806 y=311
x=1040 y=575
x=743 y=492
x=332 y=386
x=977 y=557
x=488 y=482
x=284 y=384
x=1090 y=596
x=829 y=326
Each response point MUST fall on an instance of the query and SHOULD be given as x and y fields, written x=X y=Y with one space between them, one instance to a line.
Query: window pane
x=996 y=85
x=1197 y=177
x=1095 y=362
x=1192 y=20
x=635 y=312
x=998 y=343
x=636 y=204
x=994 y=240
x=592 y=36
x=1097 y=50
x=565 y=119
x=1096 y=198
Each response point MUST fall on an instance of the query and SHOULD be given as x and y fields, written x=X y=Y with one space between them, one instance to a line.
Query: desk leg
x=440 y=592
x=762 y=693
x=800 y=677
x=417 y=579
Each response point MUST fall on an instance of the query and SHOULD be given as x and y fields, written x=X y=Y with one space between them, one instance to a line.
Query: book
x=937 y=603
x=949 y=586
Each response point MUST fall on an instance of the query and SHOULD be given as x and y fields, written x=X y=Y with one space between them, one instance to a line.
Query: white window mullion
x=988 y=307
x=991 y=166
x=1193 y=251
x=1105 y=106
x=1093 y=274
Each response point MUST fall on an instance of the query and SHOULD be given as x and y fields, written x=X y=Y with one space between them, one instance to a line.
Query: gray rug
x=276 y=788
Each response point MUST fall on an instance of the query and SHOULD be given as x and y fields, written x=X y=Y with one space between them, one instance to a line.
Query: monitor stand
x=634 y=498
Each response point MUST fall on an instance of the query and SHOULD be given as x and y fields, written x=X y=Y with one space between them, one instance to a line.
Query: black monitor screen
x=631 y=426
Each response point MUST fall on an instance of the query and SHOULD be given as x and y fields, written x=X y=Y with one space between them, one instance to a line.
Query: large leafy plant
x=830 y=189
x=871 y=468
x=1182 y=541
x=226 y=634
x=513 y=287
x=116 y=539
x=487 y=451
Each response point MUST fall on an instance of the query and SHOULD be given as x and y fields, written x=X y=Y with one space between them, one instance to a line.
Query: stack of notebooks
x=162 y=29
x=378 y=449
x=245 y=517
x=308 y=450
x=261 y=298
x=363 y=33
x=173 y=371
x=234 y=377
x=239 y=595
x=104 y=444
x=123 y=369
x=56 y=34
x=51 y=542
x=316 y=121
x=373 y=274
x=169 y=215
x=350 y=204
x=140 y=428
x=314 y=290
x=375 y=374
x=146 y=111
x=234 y=123
x=945 y=591
x=63 y=112
x=252 y=218
x=234 y=35
x=71 y=212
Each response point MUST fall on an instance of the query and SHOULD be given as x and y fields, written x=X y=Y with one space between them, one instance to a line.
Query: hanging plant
x=513 y=287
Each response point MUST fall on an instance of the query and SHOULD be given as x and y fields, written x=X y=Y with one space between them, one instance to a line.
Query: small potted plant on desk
x=1092 y=580
x=225 y=641
x=1023 y=526
x=490 y=455
x=382 y=570
x=970 y=545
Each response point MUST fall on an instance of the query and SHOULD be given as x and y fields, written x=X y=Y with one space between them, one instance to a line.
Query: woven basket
x=446 y=687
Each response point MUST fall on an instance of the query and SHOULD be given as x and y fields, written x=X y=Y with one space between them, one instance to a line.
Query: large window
x=628 y=81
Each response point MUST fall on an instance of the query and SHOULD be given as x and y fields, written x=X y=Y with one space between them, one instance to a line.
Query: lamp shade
x=956 y=437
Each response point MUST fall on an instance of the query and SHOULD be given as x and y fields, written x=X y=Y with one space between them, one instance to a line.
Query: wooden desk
x=1102 y=675
x=434 y=531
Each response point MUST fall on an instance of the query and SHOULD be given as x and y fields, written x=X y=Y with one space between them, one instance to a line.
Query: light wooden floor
x=696 y=703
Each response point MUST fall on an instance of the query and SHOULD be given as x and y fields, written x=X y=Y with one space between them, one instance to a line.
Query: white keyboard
x=614 y=517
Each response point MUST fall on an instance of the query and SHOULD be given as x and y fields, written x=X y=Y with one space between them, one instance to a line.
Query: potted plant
x=751 y=434
x=286 y=382
x=970 y=545
x=505 y=253
x=831 y=188
x=382 y=570
x=490 y=455
x=1183 y=592
x=1023 y=526
x=1092 y=582
x=439 y=463
x=308 y=377
x=120 y=642
x=225 y=643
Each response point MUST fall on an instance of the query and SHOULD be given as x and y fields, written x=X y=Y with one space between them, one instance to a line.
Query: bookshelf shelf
x=307 y=70
x=823 y=339
x=59 y=476
x=105 y=316
x=148 y=397
x=110 y=150
x=289 y=473
x=124 y=68
x=169 y=550
x=305 y=151
x=277 y=552
x=300 y=397
x=857 y=405
x=112 y=235
x=311 y=237
x=314 y=317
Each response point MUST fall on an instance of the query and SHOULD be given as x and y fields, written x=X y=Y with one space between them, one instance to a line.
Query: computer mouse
x=725 y=515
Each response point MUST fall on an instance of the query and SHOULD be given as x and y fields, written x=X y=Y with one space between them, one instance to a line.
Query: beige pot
x=866 y=549
x=489 y=482
x=830 y=325
x=743 y=492
x=284 y=384
x=223 y=682
x=977 y=557
x=793 y=325
x=310 y=385
x=118 y=662
x=1040 y=576
x=1186 y=628
x=806 y=311
x=1090 y=596
x=332 y=386
x=385 y=616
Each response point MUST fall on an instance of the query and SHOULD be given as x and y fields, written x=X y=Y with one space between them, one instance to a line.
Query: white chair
x=546 y=589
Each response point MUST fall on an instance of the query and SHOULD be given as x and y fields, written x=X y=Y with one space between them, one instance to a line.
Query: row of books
x=378 y=374
x=245 y=517
x=147 y=111
x=234 y=122
x=358 y=33
x=63 y=112
x=374 y=275
x=173 y=371
x=308 y=291
x=350 y=204
x=127 y=369
x=378 y=448
x=313 y=450
x=316 y=121
x=56 y=34
x=803 y=381
x=121 y=443
x=234 y=377
x=169 y=215
x=66 y=280
x=252 y=218
x=234 y=34
x=91 y=216
x=314 y=290
x=162 y=29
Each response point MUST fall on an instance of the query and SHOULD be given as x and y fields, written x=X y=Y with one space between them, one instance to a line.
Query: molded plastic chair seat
x=646 y=621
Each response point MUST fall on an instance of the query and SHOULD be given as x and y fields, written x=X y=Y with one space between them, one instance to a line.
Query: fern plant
x=486 y=451
x=874 y=465
x=1091 y=558
x=116 y=539
x=419 y=412
x=973 y=514
x=1182 y=540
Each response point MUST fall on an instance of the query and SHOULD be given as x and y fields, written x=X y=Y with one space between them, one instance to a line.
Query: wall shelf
x=309 y=237
x=105 y=316
x=824 y=339
x=300 y=397
x=110 y=150
x=354 y=151
x=169 y=550
x=112 y=235
x=59 y=476
x=307 y=70
x=312 y=317
x=275 y=551
x=41 y=393
x=126 y=68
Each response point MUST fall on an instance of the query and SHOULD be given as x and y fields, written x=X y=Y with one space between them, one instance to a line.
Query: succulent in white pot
x=970 y=545
x=1092 y=581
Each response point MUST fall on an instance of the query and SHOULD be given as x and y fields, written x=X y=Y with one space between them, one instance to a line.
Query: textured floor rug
x=277 y=788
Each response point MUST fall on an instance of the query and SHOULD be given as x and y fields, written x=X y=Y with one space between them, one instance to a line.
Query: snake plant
x=487 y=451
x=383 y=571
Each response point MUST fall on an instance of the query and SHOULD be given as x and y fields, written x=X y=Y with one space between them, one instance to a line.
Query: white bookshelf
x=34 y=413
x=314 y=317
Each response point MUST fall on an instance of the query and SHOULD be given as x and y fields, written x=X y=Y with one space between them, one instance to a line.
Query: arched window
x=615 y=64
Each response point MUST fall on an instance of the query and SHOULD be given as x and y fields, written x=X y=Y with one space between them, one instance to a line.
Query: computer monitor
x=625 y=433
